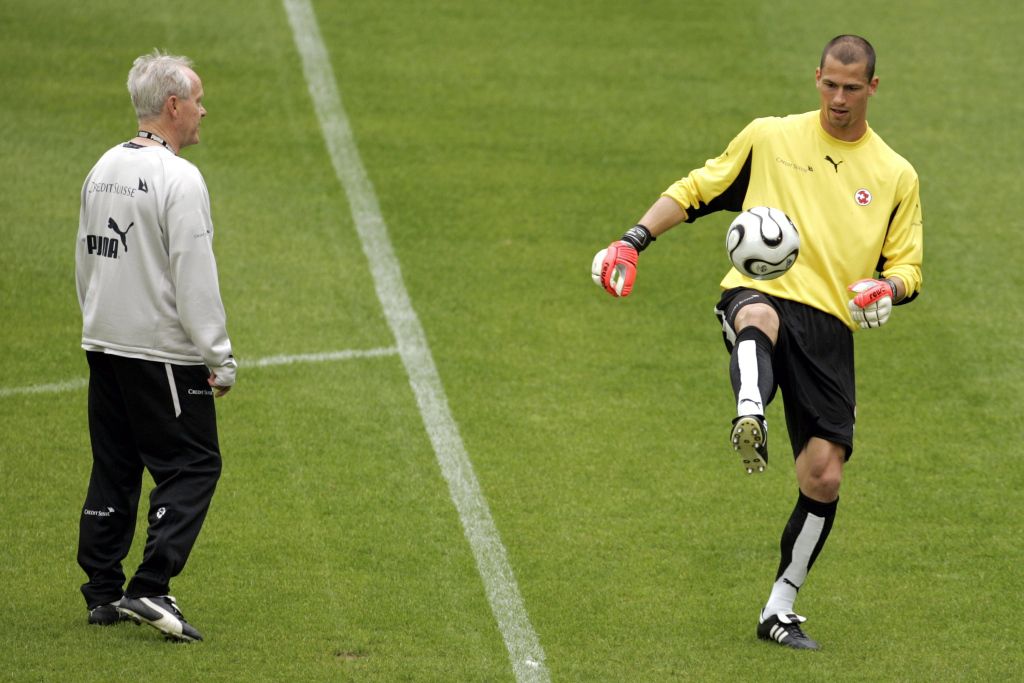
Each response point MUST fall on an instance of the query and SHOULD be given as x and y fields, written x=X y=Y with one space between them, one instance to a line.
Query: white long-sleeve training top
x=145 y=270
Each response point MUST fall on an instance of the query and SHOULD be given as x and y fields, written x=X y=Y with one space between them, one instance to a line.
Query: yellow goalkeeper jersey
x=856 y=205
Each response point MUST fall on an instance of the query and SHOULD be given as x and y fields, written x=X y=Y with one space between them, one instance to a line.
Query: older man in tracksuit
x=154 y=332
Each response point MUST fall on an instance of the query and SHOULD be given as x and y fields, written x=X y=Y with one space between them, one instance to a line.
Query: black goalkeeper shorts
x=812 y=363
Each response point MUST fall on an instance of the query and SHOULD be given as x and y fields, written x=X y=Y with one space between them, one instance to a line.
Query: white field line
x=54 y=388
x=523 y=646
x=347 y=354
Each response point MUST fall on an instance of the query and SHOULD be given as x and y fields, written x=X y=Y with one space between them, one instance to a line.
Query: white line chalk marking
x=523 y=646
x=54 y=388
x=347 y=354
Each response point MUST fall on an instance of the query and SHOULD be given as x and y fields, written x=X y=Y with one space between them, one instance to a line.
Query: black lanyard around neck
x=155 y=138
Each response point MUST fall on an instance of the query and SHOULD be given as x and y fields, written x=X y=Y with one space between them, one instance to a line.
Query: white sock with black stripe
x=750 y=369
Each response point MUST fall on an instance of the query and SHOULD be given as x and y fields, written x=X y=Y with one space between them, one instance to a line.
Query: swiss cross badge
x=862 y=197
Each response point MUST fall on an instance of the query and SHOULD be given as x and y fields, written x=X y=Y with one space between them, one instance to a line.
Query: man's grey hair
x=155 y=77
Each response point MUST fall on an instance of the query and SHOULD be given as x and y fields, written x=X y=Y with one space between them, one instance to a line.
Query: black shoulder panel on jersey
x=731 y=199
x=881 y=260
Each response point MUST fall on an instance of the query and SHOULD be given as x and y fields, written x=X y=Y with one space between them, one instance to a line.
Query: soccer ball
x=762 y=243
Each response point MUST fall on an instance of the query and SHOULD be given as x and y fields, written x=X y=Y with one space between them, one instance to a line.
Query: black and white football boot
x=162 y=613
x=749 y=438
x=107 y=615
x=784 y=628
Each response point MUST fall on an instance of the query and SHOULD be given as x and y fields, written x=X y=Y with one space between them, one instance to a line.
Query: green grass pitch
x=507 y=142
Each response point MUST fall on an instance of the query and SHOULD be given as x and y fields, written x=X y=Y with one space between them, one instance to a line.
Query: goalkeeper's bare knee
x=761 y=316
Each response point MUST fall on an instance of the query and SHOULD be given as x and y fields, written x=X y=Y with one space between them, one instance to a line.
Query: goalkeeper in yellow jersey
x=856 y=203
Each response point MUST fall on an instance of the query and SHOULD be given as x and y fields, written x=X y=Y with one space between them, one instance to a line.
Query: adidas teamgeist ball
x=762 y=243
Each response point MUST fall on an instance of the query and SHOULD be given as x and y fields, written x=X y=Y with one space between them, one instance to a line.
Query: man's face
x=191 y=112
x=844 y=91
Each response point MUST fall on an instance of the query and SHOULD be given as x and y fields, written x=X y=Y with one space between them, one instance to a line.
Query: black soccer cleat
x=784 y=628
x=107 y=615
x=750 y=438
x=162 y=613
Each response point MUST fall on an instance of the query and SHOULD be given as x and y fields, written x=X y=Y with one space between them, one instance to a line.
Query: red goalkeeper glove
x=873 y=303
x=614 y=268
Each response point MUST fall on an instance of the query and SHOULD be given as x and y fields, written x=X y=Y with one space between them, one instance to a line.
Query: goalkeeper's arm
x=899 y=289
x=614 y=268
x=663 y=215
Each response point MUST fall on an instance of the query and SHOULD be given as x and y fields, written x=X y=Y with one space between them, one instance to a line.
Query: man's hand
x=223 y=378
x=614 y=268
x=218 y=390
x=873 y=303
